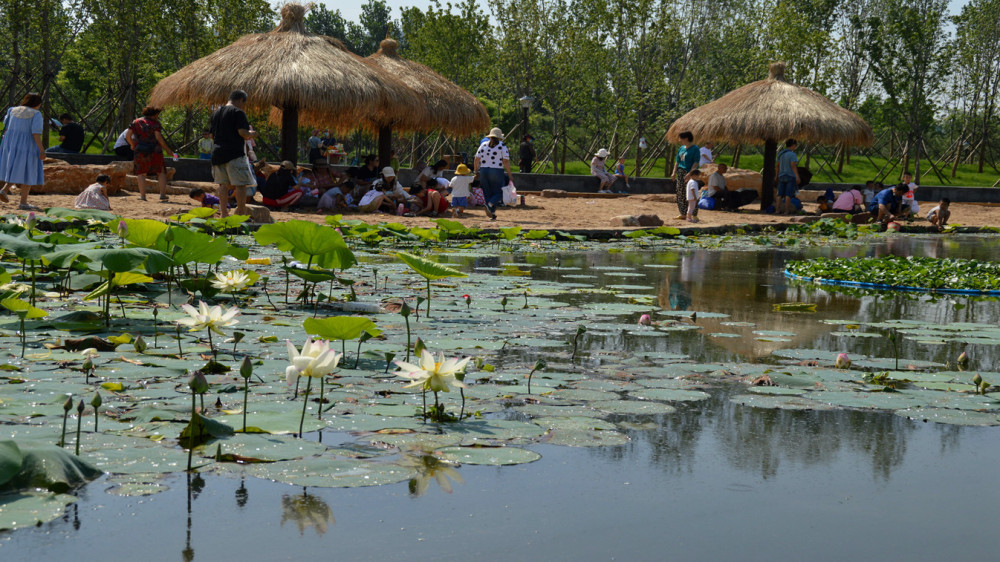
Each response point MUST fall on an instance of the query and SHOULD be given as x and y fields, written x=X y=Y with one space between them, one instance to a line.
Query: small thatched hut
x=308 y=77
x=446 y=106
x=770 y=111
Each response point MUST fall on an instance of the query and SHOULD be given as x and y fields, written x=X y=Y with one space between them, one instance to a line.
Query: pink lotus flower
x=843 y=361
x=645 y=320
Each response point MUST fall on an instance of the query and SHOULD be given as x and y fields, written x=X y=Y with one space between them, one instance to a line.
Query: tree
x=322 y=21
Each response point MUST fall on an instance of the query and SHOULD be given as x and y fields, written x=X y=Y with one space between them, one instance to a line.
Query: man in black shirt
x=70 y=136
x=366 y=175
x=230 y=167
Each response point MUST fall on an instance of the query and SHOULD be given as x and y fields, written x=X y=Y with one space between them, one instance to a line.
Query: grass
x=858 y=171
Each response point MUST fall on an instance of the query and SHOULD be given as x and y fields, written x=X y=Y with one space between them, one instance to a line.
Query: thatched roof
x=446 y=105
x=773 y=110
x=330 y=85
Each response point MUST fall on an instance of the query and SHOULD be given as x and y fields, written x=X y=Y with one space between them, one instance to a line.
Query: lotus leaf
x=308 y=242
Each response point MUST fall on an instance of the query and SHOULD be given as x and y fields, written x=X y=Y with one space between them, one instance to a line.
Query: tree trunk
x=385 y=145
x=767 y=185
x=958 y=158
x=737 y=152
x=562 y=165
x=290 y=133
x=840 y=159
x=916 y=165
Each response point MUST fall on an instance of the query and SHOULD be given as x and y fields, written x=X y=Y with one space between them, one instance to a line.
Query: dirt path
x=571 y=213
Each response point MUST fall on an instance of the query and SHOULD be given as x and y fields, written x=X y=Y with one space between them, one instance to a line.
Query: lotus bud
x=238 y=337
x=468 y=301
x=96 y=401
x=122 y=229
x=540 y=365
x=80 y=407
x=139 y=344
x=198 y=383
x=580 y=330
x=843 y=361
x=31 y=221
x=88 y=366
x=963 y=360
x=983 y=386
x=645 y=320
x=246 y=368
x=405 y=310
x=291 y=375
x=68 y=404
x=503 y=303
x=977 y=380
x=419 y=347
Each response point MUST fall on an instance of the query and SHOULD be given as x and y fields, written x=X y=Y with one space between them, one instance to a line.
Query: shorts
x=235 y=172
x=147 y=164
x=372 y=206
x=787 y=187
x=205 y=156
x=459 y=201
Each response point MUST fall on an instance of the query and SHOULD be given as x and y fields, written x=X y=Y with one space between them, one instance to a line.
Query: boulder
x=636 y=220
x=736 y=178
x=259 y=214
x=61 y=177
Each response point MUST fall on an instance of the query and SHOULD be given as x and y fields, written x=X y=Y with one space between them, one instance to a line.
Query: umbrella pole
x=767 y=185
x=290 y=133
x=385 y=145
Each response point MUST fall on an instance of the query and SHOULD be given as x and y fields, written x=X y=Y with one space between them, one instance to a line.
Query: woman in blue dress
x=21 y=150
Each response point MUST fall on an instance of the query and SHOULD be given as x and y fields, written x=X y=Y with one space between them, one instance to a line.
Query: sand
x=569 y=213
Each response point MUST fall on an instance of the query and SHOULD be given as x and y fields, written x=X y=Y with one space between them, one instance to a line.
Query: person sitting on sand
x=850 y=201
x=280 y=190
x=887 y=205
x=95 y=196
x=428 y=201
x=938 y=216
x=375 y=201
x=599 y=171
x=429 y=175
x=204 y=199
x=393 y=190
x=335 y=198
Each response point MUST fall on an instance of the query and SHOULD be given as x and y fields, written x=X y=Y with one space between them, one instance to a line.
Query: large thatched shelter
x=446 y=106
x=768 y=112
x=307 y=77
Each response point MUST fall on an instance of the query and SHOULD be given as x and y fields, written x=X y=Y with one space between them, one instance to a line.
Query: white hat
x=388 y=172
x=602 y=153
x=496 y=133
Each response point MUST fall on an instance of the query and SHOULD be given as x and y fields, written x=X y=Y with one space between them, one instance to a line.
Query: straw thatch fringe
x=447 y=106
x=290 y=68
x=774 y=110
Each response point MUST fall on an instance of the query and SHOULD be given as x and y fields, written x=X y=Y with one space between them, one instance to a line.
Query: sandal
x=27 y=207
x=3 y=196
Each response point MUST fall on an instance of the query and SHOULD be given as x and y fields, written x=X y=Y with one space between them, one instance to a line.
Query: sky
x=352 y=10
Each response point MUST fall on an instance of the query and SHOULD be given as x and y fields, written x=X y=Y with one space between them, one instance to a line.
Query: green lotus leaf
x=30 y=509
x=21 y=307
x=10 y=460
x=86 y=214
x=308 y=242
x=49 y=467
x=24 y=248
x=336 y=328
x=428 y=269
x=489 y=456
x=145 y=233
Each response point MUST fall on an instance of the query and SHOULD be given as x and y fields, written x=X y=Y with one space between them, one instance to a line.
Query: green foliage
x=926 y=273
x=428 y=269
x=340 y=327
x=308 y=242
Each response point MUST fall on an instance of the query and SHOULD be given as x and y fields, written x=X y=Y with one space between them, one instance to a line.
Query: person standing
x=145 y=135
x=70 y=136
x=526 y=154
x=230 y=167
x=205 y=145
x=492 y=161
x=21 y=150
x=909 y=199
x=315 y=144
x=687 y=161
x=706 y=154
x=787 y=176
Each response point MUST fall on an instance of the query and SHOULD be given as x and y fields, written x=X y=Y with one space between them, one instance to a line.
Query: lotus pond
x=655 y=397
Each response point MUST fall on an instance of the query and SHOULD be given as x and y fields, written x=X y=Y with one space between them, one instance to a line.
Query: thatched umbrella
x=446 y=106
x=308 y=77
x=770 y=111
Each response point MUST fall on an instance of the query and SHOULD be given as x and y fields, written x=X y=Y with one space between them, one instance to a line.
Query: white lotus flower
x=90 y=352
x=435 y=376
x=213 y=318
x=231 y=281
x=315 y=360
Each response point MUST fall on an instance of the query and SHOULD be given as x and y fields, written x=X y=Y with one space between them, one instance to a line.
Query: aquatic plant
x=580 y=330
x=24 y=311
x=539 y=365
x=404 y=311
x=96 y=403
x=429 y=270
x=340 y=328
x=436 y=376
x=231 y=281
x=210 y=319
x=843 y=361
x=963 y=360
x=468 y=302
x=645 y=320
x=246 y=370
x=67 y=406
x=316 y=359
x=79 y=425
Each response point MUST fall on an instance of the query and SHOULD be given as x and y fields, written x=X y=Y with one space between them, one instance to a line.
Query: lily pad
x=489 y=456
x=950 y=417
x=669 y=394
x=331 y=472
x=30 y=509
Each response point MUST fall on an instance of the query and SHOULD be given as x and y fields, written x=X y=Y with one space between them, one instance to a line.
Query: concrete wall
x=190 y=169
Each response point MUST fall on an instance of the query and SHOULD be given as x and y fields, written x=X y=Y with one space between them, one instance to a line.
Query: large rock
x=736 y=178
x=636 y=220
x=64 y=178
x=259 y=214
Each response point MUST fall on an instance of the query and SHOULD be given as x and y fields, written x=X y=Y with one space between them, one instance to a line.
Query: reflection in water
x=242 y=494
x=194 y=487
x=429 y=467
x=306 y=511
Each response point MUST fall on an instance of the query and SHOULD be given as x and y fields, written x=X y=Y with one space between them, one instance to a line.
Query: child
x=908 y=198
x=461 y=189
x=822 y=205
x=205 y=145
x=869 y=192
x=620 y=174
x=204 y=199
x=692 y=195
x=95 y=196
x=938 y=216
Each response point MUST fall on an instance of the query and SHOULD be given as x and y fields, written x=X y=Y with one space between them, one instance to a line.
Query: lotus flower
x=435 y=376
x=645 y=320
x=843 y=361
x=963 y=360
x=30 y=222
x=231 y=281
x=204 y=317
x=122 y=229
x=315 y=360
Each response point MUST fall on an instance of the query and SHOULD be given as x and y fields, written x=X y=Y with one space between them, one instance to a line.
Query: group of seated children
x=885 y=204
